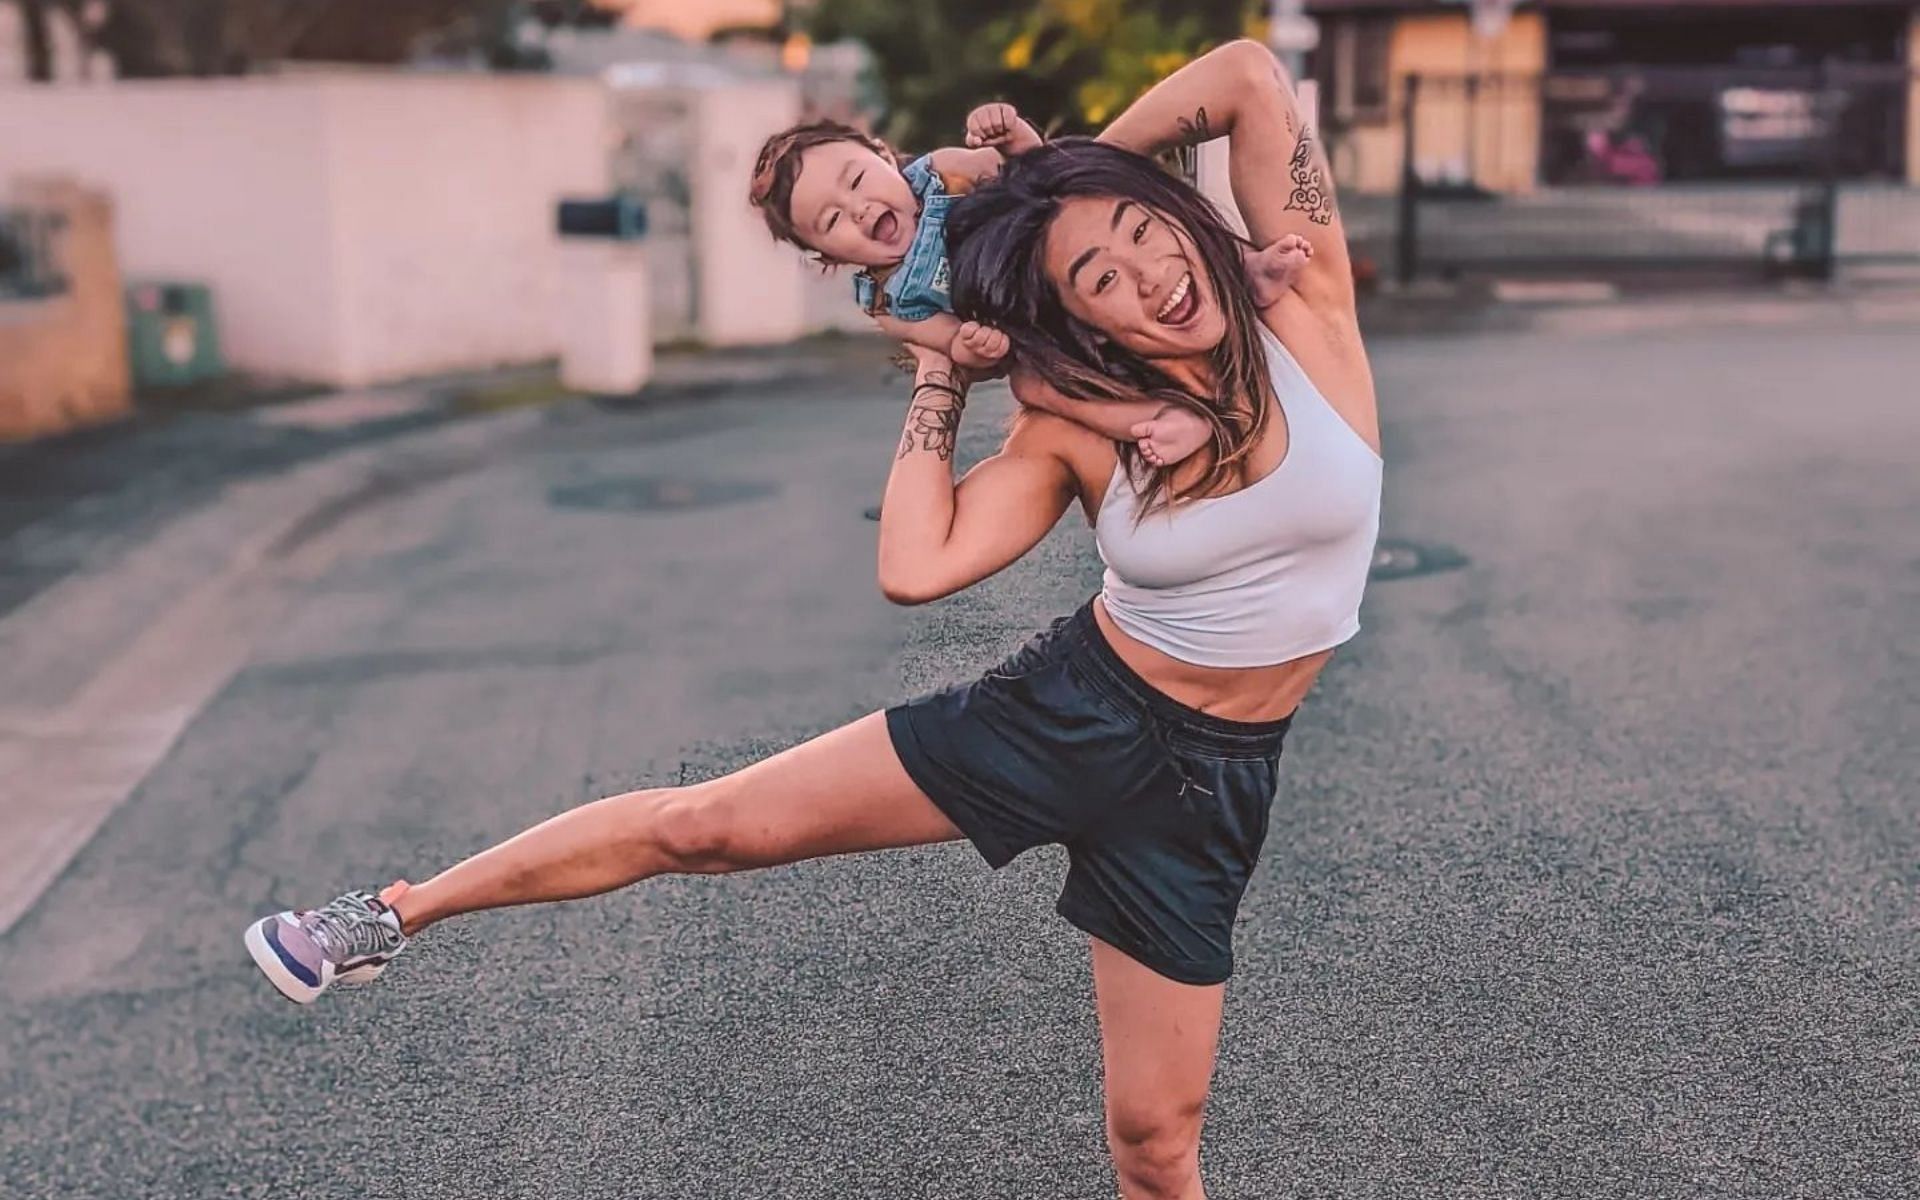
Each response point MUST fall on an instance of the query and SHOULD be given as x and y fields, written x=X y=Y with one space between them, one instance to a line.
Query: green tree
x=1068 y=65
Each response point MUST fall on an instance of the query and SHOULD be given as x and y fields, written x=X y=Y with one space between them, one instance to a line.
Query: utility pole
x=1291 y=33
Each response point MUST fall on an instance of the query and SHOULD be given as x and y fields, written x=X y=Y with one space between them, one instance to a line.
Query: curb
x=130 y=654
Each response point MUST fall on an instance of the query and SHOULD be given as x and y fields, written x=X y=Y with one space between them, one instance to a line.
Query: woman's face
x=1129 y=272
x=853 y=206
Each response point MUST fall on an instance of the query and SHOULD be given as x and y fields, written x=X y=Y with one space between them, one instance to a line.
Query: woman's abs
x=1234 y=693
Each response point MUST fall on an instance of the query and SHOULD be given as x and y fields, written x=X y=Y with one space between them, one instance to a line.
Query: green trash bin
x=172 y=338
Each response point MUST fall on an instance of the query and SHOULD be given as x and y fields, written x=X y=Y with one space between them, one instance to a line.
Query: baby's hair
x=778 y=166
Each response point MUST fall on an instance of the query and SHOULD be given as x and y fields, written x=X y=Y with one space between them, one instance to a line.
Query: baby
x=840 y=193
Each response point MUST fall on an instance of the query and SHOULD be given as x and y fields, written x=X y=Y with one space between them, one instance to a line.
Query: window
x=27 y=269
x=1354 y=68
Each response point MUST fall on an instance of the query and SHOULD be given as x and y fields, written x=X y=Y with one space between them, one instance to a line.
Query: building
x=1626 y=91
x=699 y=21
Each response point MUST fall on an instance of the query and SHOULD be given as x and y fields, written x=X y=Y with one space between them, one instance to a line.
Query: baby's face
x=853 y=206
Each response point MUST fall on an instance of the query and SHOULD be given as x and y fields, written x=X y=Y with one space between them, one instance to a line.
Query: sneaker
x=307 y=951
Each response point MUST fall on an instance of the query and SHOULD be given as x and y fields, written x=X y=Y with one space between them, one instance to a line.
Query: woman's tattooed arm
x=933 y=423
x=1310 y=193
x=1195 y=129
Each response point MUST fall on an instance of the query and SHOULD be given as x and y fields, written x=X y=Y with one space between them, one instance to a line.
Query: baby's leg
x=1165 y=433
x=1275 y=267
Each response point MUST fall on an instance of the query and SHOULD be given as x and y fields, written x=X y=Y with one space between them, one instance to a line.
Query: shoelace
x=348 y=928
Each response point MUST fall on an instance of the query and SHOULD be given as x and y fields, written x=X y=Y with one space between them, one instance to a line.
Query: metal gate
x=1779 y=171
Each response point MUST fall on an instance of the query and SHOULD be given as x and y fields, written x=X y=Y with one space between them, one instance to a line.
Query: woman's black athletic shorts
x=1162 y=808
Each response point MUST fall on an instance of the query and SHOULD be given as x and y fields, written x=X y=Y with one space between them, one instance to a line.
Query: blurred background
x=342 y=192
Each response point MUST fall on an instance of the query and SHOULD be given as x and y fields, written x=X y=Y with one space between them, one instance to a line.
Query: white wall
x=355 y=226
x=442 y=198
x=221 y=181
x=748 y=287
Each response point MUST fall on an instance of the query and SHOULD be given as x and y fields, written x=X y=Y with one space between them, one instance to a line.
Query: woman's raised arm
x=1278 y=171
x=936 y=536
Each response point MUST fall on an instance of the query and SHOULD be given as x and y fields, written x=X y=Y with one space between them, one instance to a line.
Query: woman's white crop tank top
x=1268 y=574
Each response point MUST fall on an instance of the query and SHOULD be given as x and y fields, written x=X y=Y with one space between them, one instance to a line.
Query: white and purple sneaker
x=306 y=951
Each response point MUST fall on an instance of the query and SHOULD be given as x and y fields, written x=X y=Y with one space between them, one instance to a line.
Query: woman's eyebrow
x=1080 y=262
x=1113 y=224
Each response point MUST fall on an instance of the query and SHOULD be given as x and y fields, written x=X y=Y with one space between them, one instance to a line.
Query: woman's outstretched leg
x=842 y=792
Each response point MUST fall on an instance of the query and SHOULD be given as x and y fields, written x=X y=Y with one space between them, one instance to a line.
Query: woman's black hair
x=996 y=244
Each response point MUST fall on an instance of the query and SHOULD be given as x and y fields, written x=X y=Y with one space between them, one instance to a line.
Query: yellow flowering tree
x=1069 y=65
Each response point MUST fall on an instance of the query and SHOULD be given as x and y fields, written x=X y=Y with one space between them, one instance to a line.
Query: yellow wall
x=1504 y=121
x=63 y=360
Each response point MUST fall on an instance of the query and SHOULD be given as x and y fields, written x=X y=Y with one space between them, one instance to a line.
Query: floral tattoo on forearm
x=1310 y=194
x=933 y=423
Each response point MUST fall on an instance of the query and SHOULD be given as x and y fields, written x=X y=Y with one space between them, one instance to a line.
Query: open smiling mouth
x=885 y=227
x=1181 y=303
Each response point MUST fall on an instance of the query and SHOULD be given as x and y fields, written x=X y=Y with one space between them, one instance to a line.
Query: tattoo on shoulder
x=1195 y=130
x=1310 y=193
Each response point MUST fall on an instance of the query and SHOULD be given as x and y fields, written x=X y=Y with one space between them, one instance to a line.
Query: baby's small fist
x=984 y=341
x=991 y=124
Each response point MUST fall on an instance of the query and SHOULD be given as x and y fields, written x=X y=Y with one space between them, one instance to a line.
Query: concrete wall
x=687 y=137
x=748 y=287
x=441 y=214
x=1502 y=124
x=223 y=181
x=63 y=360
x=355 y=226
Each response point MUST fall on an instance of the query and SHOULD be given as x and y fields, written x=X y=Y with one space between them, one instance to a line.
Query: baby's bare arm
x=961 y=169
x=1109 y=418
x=934 y=333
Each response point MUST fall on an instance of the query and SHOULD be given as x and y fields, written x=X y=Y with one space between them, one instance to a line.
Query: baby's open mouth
x=885 y=227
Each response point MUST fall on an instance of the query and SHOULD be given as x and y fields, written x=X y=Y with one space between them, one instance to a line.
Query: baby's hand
x=1274 y=268
x=999 y=125
x=1172 y=435
x=978 y=346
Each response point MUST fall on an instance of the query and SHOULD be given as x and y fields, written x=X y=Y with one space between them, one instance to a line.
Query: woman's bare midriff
x=1233 y=693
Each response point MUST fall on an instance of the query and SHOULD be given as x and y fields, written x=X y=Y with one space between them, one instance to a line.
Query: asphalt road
x=1593 y=871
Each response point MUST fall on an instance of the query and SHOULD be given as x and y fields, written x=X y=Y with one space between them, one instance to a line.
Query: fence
x=1755 y=170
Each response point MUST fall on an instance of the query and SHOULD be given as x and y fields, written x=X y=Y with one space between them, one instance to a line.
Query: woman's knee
x=698 y=830
x=1156 y=1148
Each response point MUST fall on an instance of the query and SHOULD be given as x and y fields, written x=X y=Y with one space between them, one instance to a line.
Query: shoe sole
x=283 y=980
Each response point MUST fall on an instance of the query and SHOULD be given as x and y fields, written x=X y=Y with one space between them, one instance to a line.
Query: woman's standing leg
x=842 y=792
x=1157 y=1040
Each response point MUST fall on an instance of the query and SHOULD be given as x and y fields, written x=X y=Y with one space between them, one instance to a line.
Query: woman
x=1143 y=732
